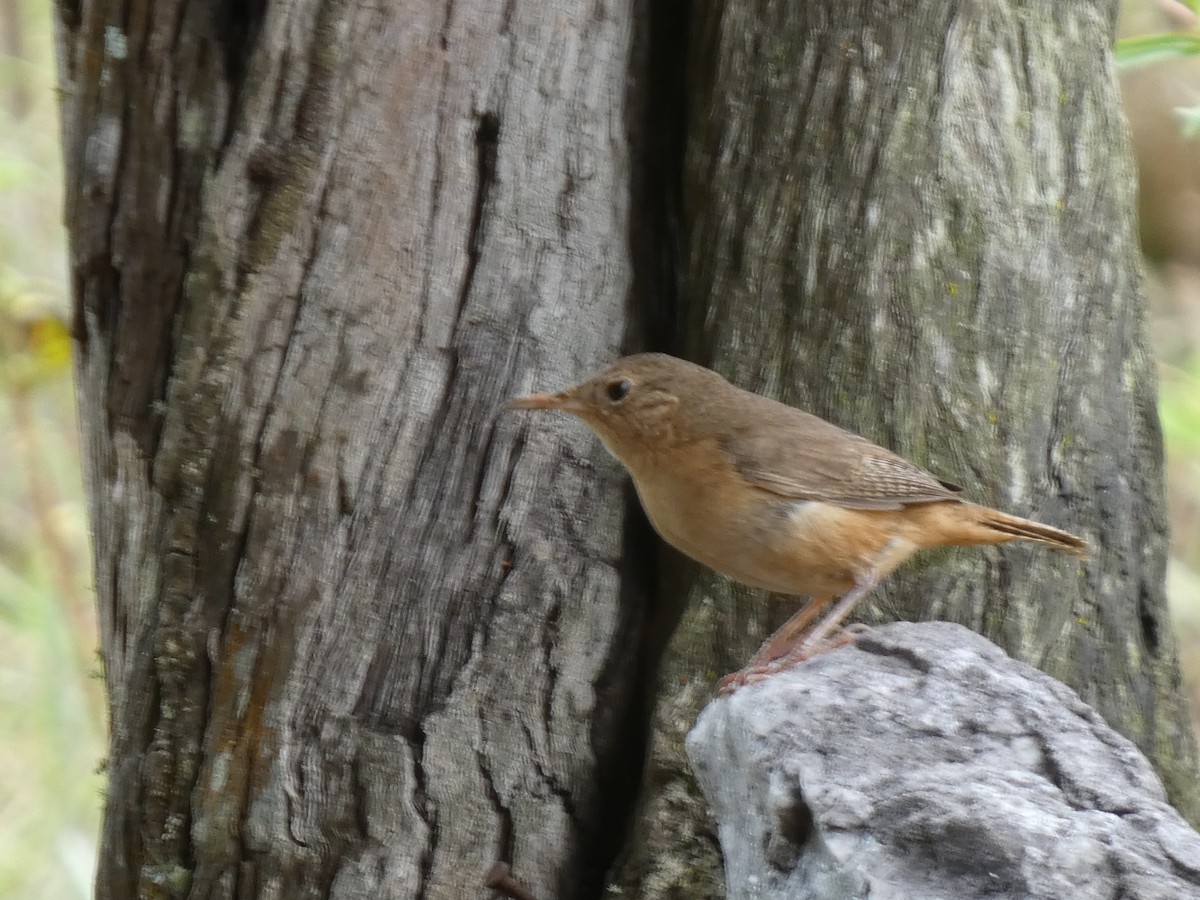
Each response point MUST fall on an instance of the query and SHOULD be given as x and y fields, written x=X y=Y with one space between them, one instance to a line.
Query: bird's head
x=636 y=405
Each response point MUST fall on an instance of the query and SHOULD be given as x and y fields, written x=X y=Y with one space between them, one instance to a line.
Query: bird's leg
x=780 y=644
x=822 y=638
x=781 y=640
x=755 y=671
x=833 y=621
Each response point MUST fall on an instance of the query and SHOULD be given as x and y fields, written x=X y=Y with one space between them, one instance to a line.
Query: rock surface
x=923 y=763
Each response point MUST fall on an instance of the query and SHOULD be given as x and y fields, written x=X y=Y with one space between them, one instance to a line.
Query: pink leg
x=781 y=641
x=826 y=636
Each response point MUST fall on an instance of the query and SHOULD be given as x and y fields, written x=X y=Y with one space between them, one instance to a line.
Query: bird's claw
x=801 y=650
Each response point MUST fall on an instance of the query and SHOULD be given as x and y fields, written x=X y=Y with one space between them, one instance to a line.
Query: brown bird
x=774 y=497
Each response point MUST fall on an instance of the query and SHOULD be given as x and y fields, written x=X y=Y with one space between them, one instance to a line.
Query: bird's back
x=797 y=455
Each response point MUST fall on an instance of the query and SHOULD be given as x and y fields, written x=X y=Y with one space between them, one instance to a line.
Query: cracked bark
x=362 y=637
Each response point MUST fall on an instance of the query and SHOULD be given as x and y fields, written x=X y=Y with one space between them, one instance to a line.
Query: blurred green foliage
x=1163 y=46
x=51 y=714
x=1146 y=49
x=1179 y=407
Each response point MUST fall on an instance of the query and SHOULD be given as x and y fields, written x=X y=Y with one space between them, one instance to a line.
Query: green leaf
x=1154 y=48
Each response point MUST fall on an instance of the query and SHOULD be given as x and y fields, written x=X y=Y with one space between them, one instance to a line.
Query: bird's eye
x=617 y=390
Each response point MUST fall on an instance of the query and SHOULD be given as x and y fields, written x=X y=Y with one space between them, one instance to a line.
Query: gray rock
x=923 y=763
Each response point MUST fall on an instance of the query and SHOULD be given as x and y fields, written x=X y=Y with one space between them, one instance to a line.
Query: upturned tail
x=1000 y=528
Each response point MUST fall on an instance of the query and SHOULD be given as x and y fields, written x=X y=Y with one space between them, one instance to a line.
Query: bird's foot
x=759 y=670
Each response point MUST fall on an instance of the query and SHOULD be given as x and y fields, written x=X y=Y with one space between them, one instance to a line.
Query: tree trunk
x=362 y=638
x=916 y=220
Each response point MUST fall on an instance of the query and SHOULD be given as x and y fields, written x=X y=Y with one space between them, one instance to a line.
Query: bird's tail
x=1013 y=528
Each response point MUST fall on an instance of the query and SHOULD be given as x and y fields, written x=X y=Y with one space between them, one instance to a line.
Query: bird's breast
x=802 y=547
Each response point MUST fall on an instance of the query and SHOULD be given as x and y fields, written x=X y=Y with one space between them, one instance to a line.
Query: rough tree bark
x=360 y=639
x=916 y=220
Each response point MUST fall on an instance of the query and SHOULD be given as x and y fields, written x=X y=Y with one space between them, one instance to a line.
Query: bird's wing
x=802 y=457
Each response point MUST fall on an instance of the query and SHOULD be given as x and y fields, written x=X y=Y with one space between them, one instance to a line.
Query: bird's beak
x=562 y=401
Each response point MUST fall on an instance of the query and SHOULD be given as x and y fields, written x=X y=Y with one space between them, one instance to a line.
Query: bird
x=774 y=497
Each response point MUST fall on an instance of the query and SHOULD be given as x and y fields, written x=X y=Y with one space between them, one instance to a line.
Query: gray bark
x=923 y=762
x=361 y=638
x=916 y=220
